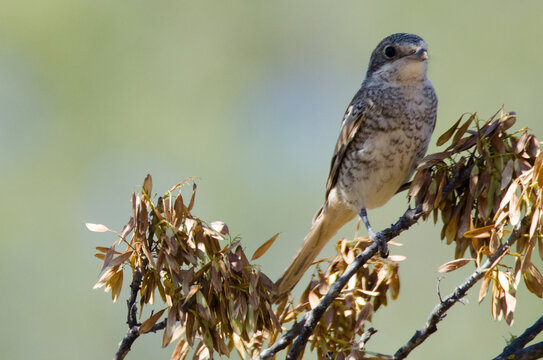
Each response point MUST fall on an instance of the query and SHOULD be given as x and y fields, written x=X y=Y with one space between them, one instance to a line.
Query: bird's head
x=399 y=57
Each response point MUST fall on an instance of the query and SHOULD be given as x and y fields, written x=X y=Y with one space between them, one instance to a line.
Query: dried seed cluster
x=484 y=184
x=216 y=300
x=342 y=324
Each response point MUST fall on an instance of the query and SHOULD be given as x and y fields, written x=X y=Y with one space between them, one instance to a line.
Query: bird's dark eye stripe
x=390 y=51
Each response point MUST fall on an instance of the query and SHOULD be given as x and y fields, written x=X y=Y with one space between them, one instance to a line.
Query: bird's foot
x=381 y=243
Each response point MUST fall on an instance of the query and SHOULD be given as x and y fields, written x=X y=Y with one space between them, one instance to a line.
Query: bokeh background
x=247 y=95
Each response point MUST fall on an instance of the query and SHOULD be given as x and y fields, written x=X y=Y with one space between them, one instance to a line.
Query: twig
x=311 y=319
x=132 y=321
x=283 y=342
x=366 y=336
x=440 y=309
x=517 y=346
x=530 y=353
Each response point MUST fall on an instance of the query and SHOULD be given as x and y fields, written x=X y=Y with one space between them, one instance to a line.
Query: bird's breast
x=387 y=147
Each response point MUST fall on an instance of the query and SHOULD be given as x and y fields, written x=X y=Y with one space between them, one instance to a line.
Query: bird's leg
x=381 y=245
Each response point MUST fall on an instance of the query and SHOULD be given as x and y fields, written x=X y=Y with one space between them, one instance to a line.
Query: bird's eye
x=390 y=51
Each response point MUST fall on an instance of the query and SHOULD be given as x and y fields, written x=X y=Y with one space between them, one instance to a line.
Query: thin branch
x=520 y=342
x=530 y=353
x=132 y=321
x=366 y=336
x=440 y=309
x=283 y=342
x=311 y=319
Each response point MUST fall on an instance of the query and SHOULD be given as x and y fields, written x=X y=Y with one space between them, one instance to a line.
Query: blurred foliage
x=485 y=183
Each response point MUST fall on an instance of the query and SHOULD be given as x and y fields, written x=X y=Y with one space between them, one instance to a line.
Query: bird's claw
x=382 y=245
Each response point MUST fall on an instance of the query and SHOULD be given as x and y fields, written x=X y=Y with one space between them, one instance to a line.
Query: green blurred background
x=247 y=95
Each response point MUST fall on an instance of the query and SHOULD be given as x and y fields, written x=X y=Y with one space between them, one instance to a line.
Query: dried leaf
x=534 y=280
x=121 y=258
x=168 y=331
x=511 y=191
x=482 y=232
x=447 y=134
x=313 y=299
x=462 y=130
x=220 y=227
x=507 y=173
x=453 y=265
x=97 y=227
x=181 y=350
x=149 y=323
x=264 y=247
x=397 y=258
x=106 y=277
x=148 y=185
x=191 y=203
x=108 y=257
x=535 y=222
x=514 y=209
x=115 y=285
x=484 y=288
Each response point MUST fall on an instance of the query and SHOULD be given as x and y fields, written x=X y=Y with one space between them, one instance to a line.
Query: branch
x=283 y=342
x=530 y=353
x=132 y=321
x=439 y=310
x=516 y=348
x=311 y=319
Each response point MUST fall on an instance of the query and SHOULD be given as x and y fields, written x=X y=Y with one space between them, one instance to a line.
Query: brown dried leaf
x=484 y=288
x=496 y=308
x=127 y=229
x=453 y=265
x=170 y=323
x=121 y=258
x=521 y=143
x=108 y=257
x=97 y=227
x=191 y=203
x=462 y=130
x=220 y=227
x=149 y=323
x=115 y=284
x=507 y=173
x=264 y=247
x=534 y=280
x=181 y=350
x=535 y=222
x=105 y=278
x=511 y=191
x=447 y=134
x=235 y=262
x=191 y=296
x=313 y=299
x=514 y=209
x=148 y=185
x=482 y=232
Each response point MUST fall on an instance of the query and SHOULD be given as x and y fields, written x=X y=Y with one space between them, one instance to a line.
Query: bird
x=383 y=136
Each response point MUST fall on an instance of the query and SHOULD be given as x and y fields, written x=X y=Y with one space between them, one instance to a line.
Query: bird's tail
x=325 y=226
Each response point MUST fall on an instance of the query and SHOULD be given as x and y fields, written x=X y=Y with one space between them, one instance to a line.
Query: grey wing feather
x=352 y=120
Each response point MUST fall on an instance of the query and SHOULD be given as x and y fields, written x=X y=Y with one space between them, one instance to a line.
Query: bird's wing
x=352 y=120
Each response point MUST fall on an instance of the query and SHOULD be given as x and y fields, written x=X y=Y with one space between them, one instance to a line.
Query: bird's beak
x=420 y=55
